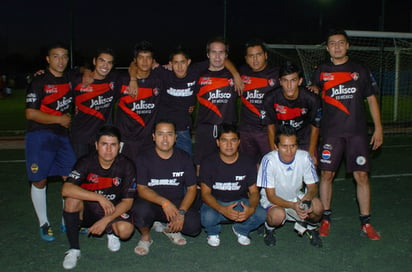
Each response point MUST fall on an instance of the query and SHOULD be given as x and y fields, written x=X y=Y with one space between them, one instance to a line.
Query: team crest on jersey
x=326 y=154
x=116 y=181
x=34 y=168
x=125 y=216
x=354 y=76
x=327 y=76
x=155 y=91
x=327 y=147
x=50 y=89
x=111 y=85
x=360 y=160
x=271 y=82
x=303 y=111
x=231 y=83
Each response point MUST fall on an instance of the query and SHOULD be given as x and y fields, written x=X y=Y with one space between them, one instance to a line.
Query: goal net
x=387 y=54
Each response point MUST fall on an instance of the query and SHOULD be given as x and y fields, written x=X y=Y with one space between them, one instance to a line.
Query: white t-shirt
x=286 y=178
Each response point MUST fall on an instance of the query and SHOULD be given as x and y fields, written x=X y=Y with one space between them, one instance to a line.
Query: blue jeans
x=184 y=140
x=211 y=219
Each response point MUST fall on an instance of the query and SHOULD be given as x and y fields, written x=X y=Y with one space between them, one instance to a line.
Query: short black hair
x=285 y=130
x=164 y=121
x=289 y=68
x=219 y=39
x=108 y=130
x=55 y=46
x=143 y=46
x=227 y=128
x=255 y=42
x=107 y=51
x=179 y=50
x=336 y=31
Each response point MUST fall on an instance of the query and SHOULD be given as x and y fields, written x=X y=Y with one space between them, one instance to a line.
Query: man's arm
x=211 y=201
x=377 y=137
x=271 y=136
x=168 y=207
x=45 y=118
x=176 y=224
x=239 y=85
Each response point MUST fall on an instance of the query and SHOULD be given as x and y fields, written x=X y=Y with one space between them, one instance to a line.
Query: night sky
x=27 y=27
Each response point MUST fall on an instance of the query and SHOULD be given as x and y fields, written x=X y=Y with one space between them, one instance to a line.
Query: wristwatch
x=182 y=212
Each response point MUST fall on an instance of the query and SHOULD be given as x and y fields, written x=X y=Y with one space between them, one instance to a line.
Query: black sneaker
x=314 y=238
x=269 y=237
x=261 y=230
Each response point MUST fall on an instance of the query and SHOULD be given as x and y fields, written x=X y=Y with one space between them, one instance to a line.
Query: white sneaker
x=70 y=258
x=241 y=239
x=113 y=242
x=213 y=240
x=158 y=226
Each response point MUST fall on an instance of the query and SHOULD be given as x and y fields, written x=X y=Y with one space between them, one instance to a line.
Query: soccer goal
x=387 y=54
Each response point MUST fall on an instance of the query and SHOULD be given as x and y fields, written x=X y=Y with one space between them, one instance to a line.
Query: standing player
x=229 y=191
x=48 y=149
x=100 y=190
x=259 y=78
x=94 y=102
x=217 y=99
x=167 y=188
x=136 y=115
x=288 y=180
x=344 y=85
x=296 y=106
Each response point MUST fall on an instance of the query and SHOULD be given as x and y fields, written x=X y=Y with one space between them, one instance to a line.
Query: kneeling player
x=98 y=194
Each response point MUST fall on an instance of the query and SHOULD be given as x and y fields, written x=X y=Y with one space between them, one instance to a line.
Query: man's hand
x=99 y=227
x=313 y=88
x=65 y=120
x=239 y=85
x=230 y=213
x=170 y=211
x=377 y=139
x=106 y=205
x=303 y=214
x=246 y=213
x=176 y=225
x=87 y=77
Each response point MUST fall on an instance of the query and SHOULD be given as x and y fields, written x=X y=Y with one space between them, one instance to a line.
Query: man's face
x=217 y=55
x=287 y=148
x=337 y=46
x=228 y=144
x=290 y=85
x=103 y=65
x=144 y=61
x=107 y=148
x=57 y=60
x=180 y=64
x=164 y=137
x=256 y=58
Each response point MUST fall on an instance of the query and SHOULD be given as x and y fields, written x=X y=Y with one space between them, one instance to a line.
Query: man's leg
x=39 y=200
x=71 y=215
x=326 y=182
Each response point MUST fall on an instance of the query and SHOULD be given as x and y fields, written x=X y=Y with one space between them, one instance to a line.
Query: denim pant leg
x=253 y=222
x=210 y=219
x=184 y=140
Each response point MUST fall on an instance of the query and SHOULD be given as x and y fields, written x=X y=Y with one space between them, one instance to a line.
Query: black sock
x=72 y=221
x=326 y=214
x=364 y=219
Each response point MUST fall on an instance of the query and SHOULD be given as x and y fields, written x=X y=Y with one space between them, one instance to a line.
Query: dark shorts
x=48 y=154
x=354 y=148
x=205 y=143
x=255 y=144
x=93 y=213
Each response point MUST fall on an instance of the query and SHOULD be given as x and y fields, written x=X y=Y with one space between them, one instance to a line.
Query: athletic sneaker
x=241 y=239
x=324 y=228
x=158 y=226
x=113 y=242
x=368 y=231
x=82 y=230
x=213 y=240
x=314 y=238
x=269 y=237
x=70 y=258
x=46 y=233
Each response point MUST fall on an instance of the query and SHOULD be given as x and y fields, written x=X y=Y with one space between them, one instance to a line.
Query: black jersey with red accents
x=228 y=182
x=135 y=117
x=116 y=183
x=217 y=98
x=94 y=107
x=257 y=84
x=51 y=95
x=179 y=94
x=344 y=88
x=167 y=177
x=300 y=113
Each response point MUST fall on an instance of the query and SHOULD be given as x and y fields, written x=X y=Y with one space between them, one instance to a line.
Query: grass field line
x=383 y=176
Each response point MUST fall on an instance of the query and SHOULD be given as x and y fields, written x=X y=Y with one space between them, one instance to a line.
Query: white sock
x=268 y=227
x=38 y=197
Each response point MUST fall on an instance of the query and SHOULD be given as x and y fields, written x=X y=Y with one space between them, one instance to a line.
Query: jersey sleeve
x=310 y=176
x=265 y=176
x=79 y=173
x=34 y=93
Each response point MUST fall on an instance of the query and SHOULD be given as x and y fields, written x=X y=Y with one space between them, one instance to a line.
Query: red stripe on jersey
x=62 y=90
x=285 y=113
x=250 y=106
x=335 y=103
x=334 y=79
x=254 y=83
x=216 y=84
x=97 y=89
x=128 y=99
x=97 y=183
